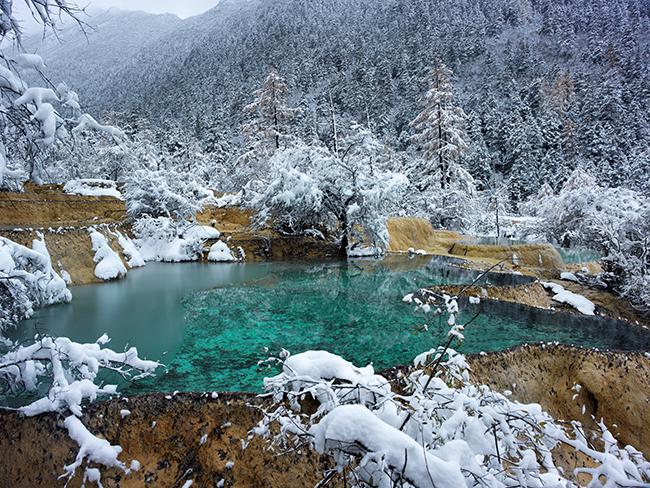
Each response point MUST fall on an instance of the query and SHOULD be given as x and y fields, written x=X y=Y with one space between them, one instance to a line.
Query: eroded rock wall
x=528 y=255
x=164 y=433
x=70 y=248
x=614 y=386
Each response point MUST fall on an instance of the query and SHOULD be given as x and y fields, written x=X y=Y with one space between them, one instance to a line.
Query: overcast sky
x=182 y=8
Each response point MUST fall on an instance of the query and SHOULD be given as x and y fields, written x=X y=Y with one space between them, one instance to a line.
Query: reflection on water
x=143 y=310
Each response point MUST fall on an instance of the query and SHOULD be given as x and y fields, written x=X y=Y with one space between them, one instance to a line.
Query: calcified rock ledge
x=614 y=385
x=163 y=431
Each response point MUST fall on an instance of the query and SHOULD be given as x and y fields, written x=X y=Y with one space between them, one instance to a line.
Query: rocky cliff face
x=613 y=386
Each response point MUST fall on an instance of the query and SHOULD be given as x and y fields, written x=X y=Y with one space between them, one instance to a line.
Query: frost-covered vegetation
x=536 y=108
x=432 y=426
x=614 y=221
x=54 y=374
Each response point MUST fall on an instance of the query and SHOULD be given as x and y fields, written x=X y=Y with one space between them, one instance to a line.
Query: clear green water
x=578 y=255
x=496 y=241
x=355 y=311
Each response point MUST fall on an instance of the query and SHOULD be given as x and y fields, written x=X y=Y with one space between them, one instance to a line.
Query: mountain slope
x=547 y=85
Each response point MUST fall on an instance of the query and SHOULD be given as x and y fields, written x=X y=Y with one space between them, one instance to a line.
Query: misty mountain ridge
x=508 y=58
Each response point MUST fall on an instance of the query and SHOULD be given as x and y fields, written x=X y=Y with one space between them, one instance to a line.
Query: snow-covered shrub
x=163 y=194
x=27 y=281
x=34 y=118
x=614 y=221
x=314 y=188
x=164 y=239
x=440 y=430
x=292 y=201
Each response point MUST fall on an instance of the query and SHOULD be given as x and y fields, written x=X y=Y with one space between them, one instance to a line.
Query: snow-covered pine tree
x=266 y=131
x=441 y=127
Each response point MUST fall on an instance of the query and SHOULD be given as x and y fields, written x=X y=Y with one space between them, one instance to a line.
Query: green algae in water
x=357 y=313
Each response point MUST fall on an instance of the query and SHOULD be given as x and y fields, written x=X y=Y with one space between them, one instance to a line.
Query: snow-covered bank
x=151 y=435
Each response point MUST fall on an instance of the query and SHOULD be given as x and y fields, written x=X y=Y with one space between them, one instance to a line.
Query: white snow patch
x=565 y=296
x=566 y=275
x=201 y=232
x=130 y=251
x=219 y=252
x=109 y=265
x=349 y=424
x=92 y=187
x=95 y=449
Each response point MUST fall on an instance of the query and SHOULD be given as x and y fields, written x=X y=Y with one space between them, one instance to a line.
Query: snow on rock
x=350 y=424
x=219 y=252
x=567 y=275
x=363 y=252
x=92 y=187
x=109 y=265
x=201 y=232
x=130 y=250
x=565 y=296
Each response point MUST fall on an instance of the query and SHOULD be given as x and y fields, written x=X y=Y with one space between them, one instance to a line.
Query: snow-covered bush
x=292 y=202
x=27 y=281
x=163 y=194
x=314 y=188
x=614 y=221
x=438 y=429
x=454 y=207
x=164 y=239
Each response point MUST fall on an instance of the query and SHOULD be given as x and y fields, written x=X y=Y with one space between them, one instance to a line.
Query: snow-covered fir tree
x=441 y=130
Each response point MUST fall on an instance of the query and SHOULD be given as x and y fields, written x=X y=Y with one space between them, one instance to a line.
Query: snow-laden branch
x=442 y=431
x=70 y=368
